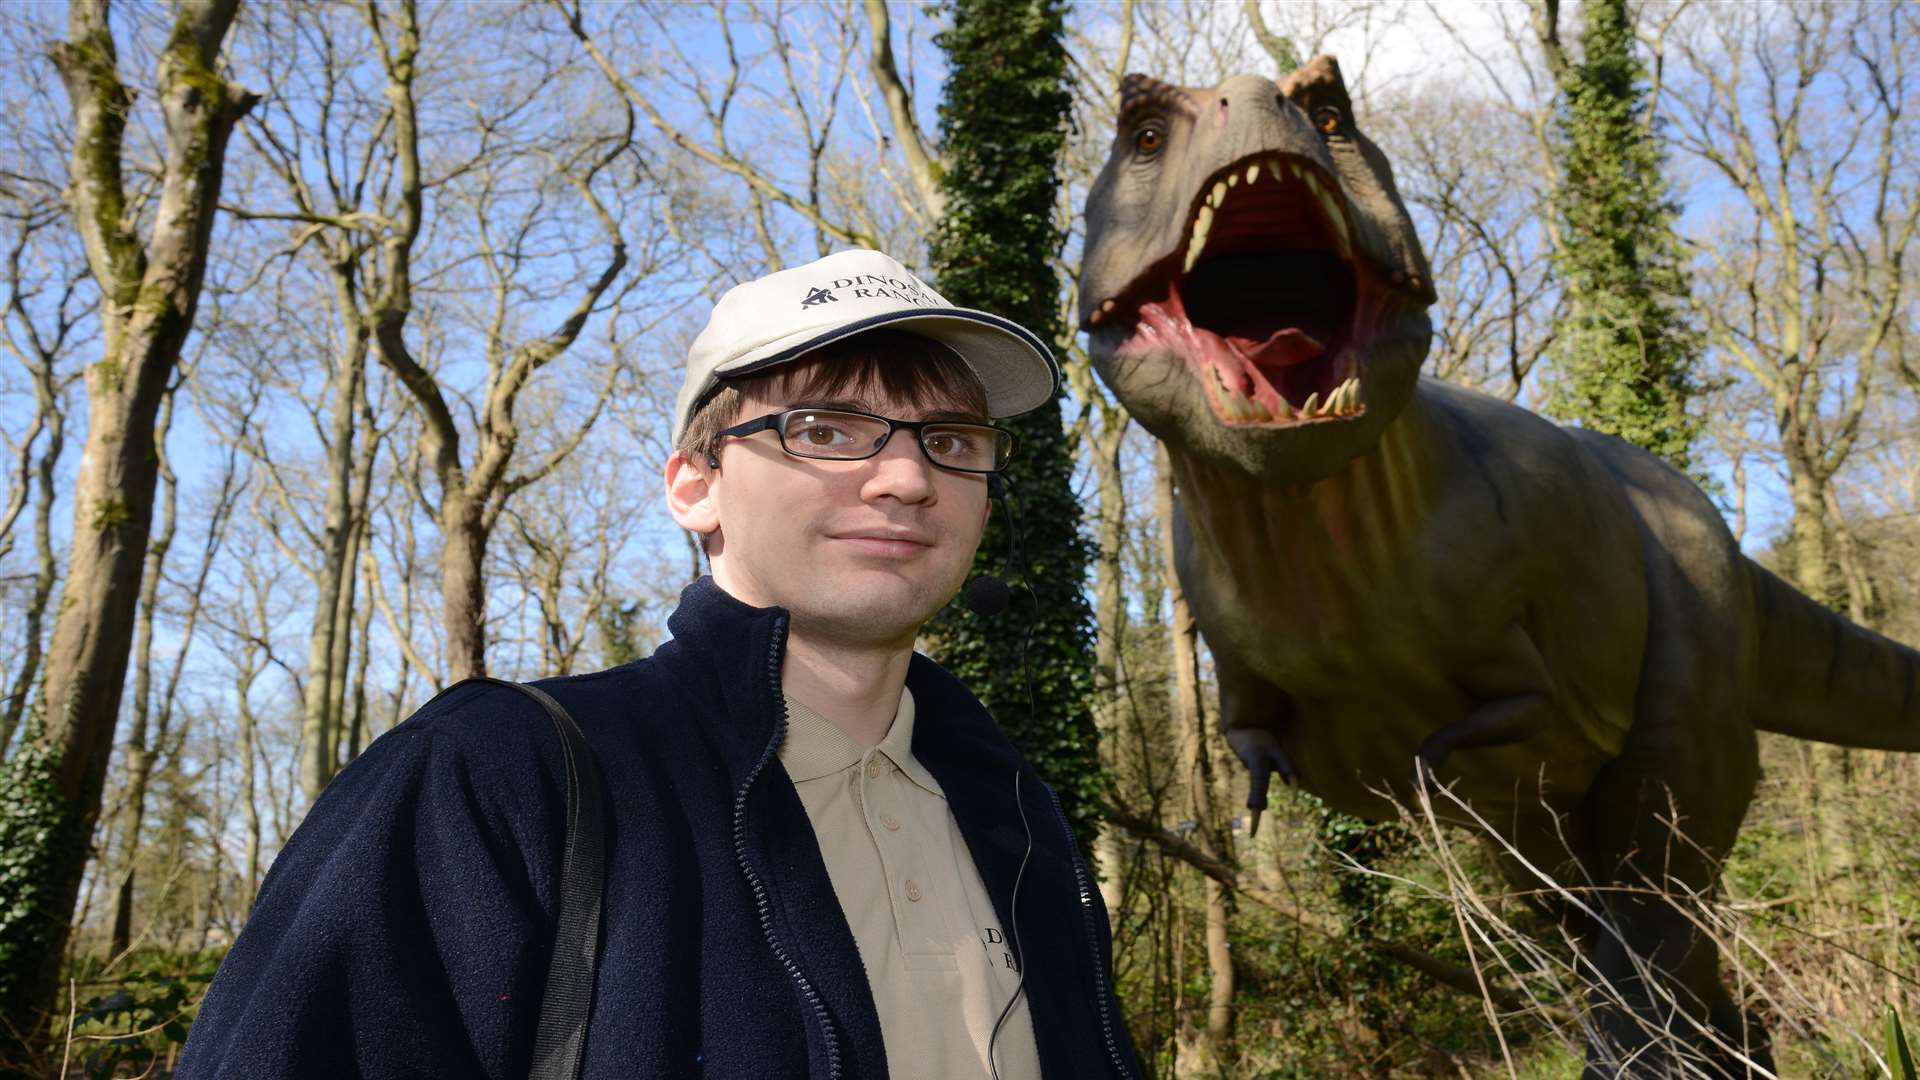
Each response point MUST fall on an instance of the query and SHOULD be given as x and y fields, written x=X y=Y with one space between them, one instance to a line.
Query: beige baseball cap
x=788 y=314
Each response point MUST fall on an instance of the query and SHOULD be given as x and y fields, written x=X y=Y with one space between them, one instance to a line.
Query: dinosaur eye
x=1327 y=119
x=1149 y=140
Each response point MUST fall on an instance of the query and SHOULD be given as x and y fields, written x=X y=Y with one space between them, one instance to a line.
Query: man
x=823 y=858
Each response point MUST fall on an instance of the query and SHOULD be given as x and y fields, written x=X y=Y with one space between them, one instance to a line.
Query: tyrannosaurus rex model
x=1390 y=569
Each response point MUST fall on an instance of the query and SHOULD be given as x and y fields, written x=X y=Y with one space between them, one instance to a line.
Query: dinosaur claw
x=1260 y=752
x=1253 y=824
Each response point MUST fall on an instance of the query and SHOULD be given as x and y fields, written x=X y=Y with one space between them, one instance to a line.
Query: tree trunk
x=1197 y=777
x=139 y=753
x=250 y=813
x=1110 y=620
x=463 y=553
x=320 y=720
x=46 y=575
x=149 y=293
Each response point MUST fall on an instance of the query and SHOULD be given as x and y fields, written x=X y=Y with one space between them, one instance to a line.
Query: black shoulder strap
x=559 y=1044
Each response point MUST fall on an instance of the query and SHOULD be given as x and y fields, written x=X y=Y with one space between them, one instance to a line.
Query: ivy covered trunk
x=50 y=788
x=1003 y=124
x=1624 y=356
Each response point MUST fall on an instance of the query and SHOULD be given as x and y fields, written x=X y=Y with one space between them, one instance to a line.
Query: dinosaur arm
x=1253 y=713
x=1513 y=689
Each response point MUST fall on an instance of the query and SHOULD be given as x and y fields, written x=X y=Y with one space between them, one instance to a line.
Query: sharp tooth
x=1326 y=407
x=1219 y=192
x=1232 y=179
x=1313 y=182
x=1282 y=410
x=1312 y=406
x=1253 y=174
x=1096 y=316
x=1331 y=209
x=1106 y=305
x=1293 y=169
x=1257 y=411
x=1198 y=244
x=1273 y=169
x=1203 y=221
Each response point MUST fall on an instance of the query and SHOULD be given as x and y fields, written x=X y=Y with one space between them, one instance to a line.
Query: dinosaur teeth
x=1203 y=221
x=1273 y=169
x=1219 y=193
x=1281 y=410
x=1194 y=247
x=1344 y=401
x=1312 y=407
x=1232 y=179
x=1253 y=175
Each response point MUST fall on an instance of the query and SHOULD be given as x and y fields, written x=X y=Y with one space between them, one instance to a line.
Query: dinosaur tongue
x=1282 y=348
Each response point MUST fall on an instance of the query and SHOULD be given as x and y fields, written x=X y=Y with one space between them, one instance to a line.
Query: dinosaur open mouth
x=1263 y=299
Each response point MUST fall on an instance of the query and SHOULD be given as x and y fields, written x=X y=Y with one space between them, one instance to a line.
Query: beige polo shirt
x=937 y=959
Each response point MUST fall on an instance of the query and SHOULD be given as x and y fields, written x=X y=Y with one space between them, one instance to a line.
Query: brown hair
x=883 y=362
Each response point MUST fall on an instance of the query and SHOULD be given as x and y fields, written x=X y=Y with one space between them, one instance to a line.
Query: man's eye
x=824 y=435
x=946 y=444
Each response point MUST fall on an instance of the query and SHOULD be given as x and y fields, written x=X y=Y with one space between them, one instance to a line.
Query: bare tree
x=150 y=287
x=45 y=321
x=142 y=751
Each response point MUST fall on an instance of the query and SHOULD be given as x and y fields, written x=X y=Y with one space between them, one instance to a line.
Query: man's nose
x=900 y=470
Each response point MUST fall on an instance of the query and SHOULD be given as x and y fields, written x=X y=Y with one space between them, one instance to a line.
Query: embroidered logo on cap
x=816 y=297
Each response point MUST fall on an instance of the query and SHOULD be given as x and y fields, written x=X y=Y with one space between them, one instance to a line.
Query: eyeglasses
x=839 y=435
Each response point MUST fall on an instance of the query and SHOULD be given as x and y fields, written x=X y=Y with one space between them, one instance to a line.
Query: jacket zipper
x=762 y=902
x=1093 y=939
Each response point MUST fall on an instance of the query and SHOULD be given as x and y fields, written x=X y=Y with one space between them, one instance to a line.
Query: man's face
x=861 y=552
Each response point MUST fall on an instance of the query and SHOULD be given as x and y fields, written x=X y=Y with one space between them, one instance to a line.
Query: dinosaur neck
x=1357 y=523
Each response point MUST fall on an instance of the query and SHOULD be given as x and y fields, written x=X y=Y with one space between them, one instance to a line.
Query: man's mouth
x=887 y=543
x=1264 y=297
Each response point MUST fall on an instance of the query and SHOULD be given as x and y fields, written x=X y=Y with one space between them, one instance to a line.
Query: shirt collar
x=816 y=747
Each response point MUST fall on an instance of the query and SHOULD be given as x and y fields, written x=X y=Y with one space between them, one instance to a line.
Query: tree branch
x=924 y=167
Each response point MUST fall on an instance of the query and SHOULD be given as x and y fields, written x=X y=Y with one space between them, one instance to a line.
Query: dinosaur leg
x=1659 y=820
x=1660 y=1007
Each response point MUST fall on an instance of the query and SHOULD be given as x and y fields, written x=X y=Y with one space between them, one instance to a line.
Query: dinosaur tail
x=1824 y=678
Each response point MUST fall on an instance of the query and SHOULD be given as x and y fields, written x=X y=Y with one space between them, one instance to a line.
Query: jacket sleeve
x=404 y=929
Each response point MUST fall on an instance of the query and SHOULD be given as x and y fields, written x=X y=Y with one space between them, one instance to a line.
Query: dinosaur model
x=1404 y=582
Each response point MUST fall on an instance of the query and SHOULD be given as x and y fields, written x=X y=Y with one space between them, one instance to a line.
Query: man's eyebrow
x=840 y=404
x=962 y=416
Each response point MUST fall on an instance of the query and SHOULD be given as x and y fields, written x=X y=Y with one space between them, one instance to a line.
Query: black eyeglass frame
x=776 y=423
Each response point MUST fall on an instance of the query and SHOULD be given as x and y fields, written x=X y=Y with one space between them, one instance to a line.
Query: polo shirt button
x=892 y=823
x=913 y=890
x=873 y=768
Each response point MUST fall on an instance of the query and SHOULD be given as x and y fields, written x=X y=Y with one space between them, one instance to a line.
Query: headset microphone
x=986 y=595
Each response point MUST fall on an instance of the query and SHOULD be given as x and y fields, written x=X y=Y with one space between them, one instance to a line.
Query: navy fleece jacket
x=405 y=929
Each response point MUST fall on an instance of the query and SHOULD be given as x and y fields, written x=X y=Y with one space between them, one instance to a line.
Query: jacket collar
x=734 y=650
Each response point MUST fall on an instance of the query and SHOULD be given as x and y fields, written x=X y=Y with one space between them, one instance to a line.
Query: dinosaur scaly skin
x=1389 y=569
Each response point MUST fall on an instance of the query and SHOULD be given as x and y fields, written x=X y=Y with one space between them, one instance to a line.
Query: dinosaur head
x=1252 y=285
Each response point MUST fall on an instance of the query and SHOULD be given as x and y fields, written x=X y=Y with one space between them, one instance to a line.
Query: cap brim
x=1015 y=367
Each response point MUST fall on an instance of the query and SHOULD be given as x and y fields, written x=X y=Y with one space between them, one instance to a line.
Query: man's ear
x=690 y=495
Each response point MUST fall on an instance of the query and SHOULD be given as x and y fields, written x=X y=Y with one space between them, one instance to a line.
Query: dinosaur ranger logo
x=817 y=296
